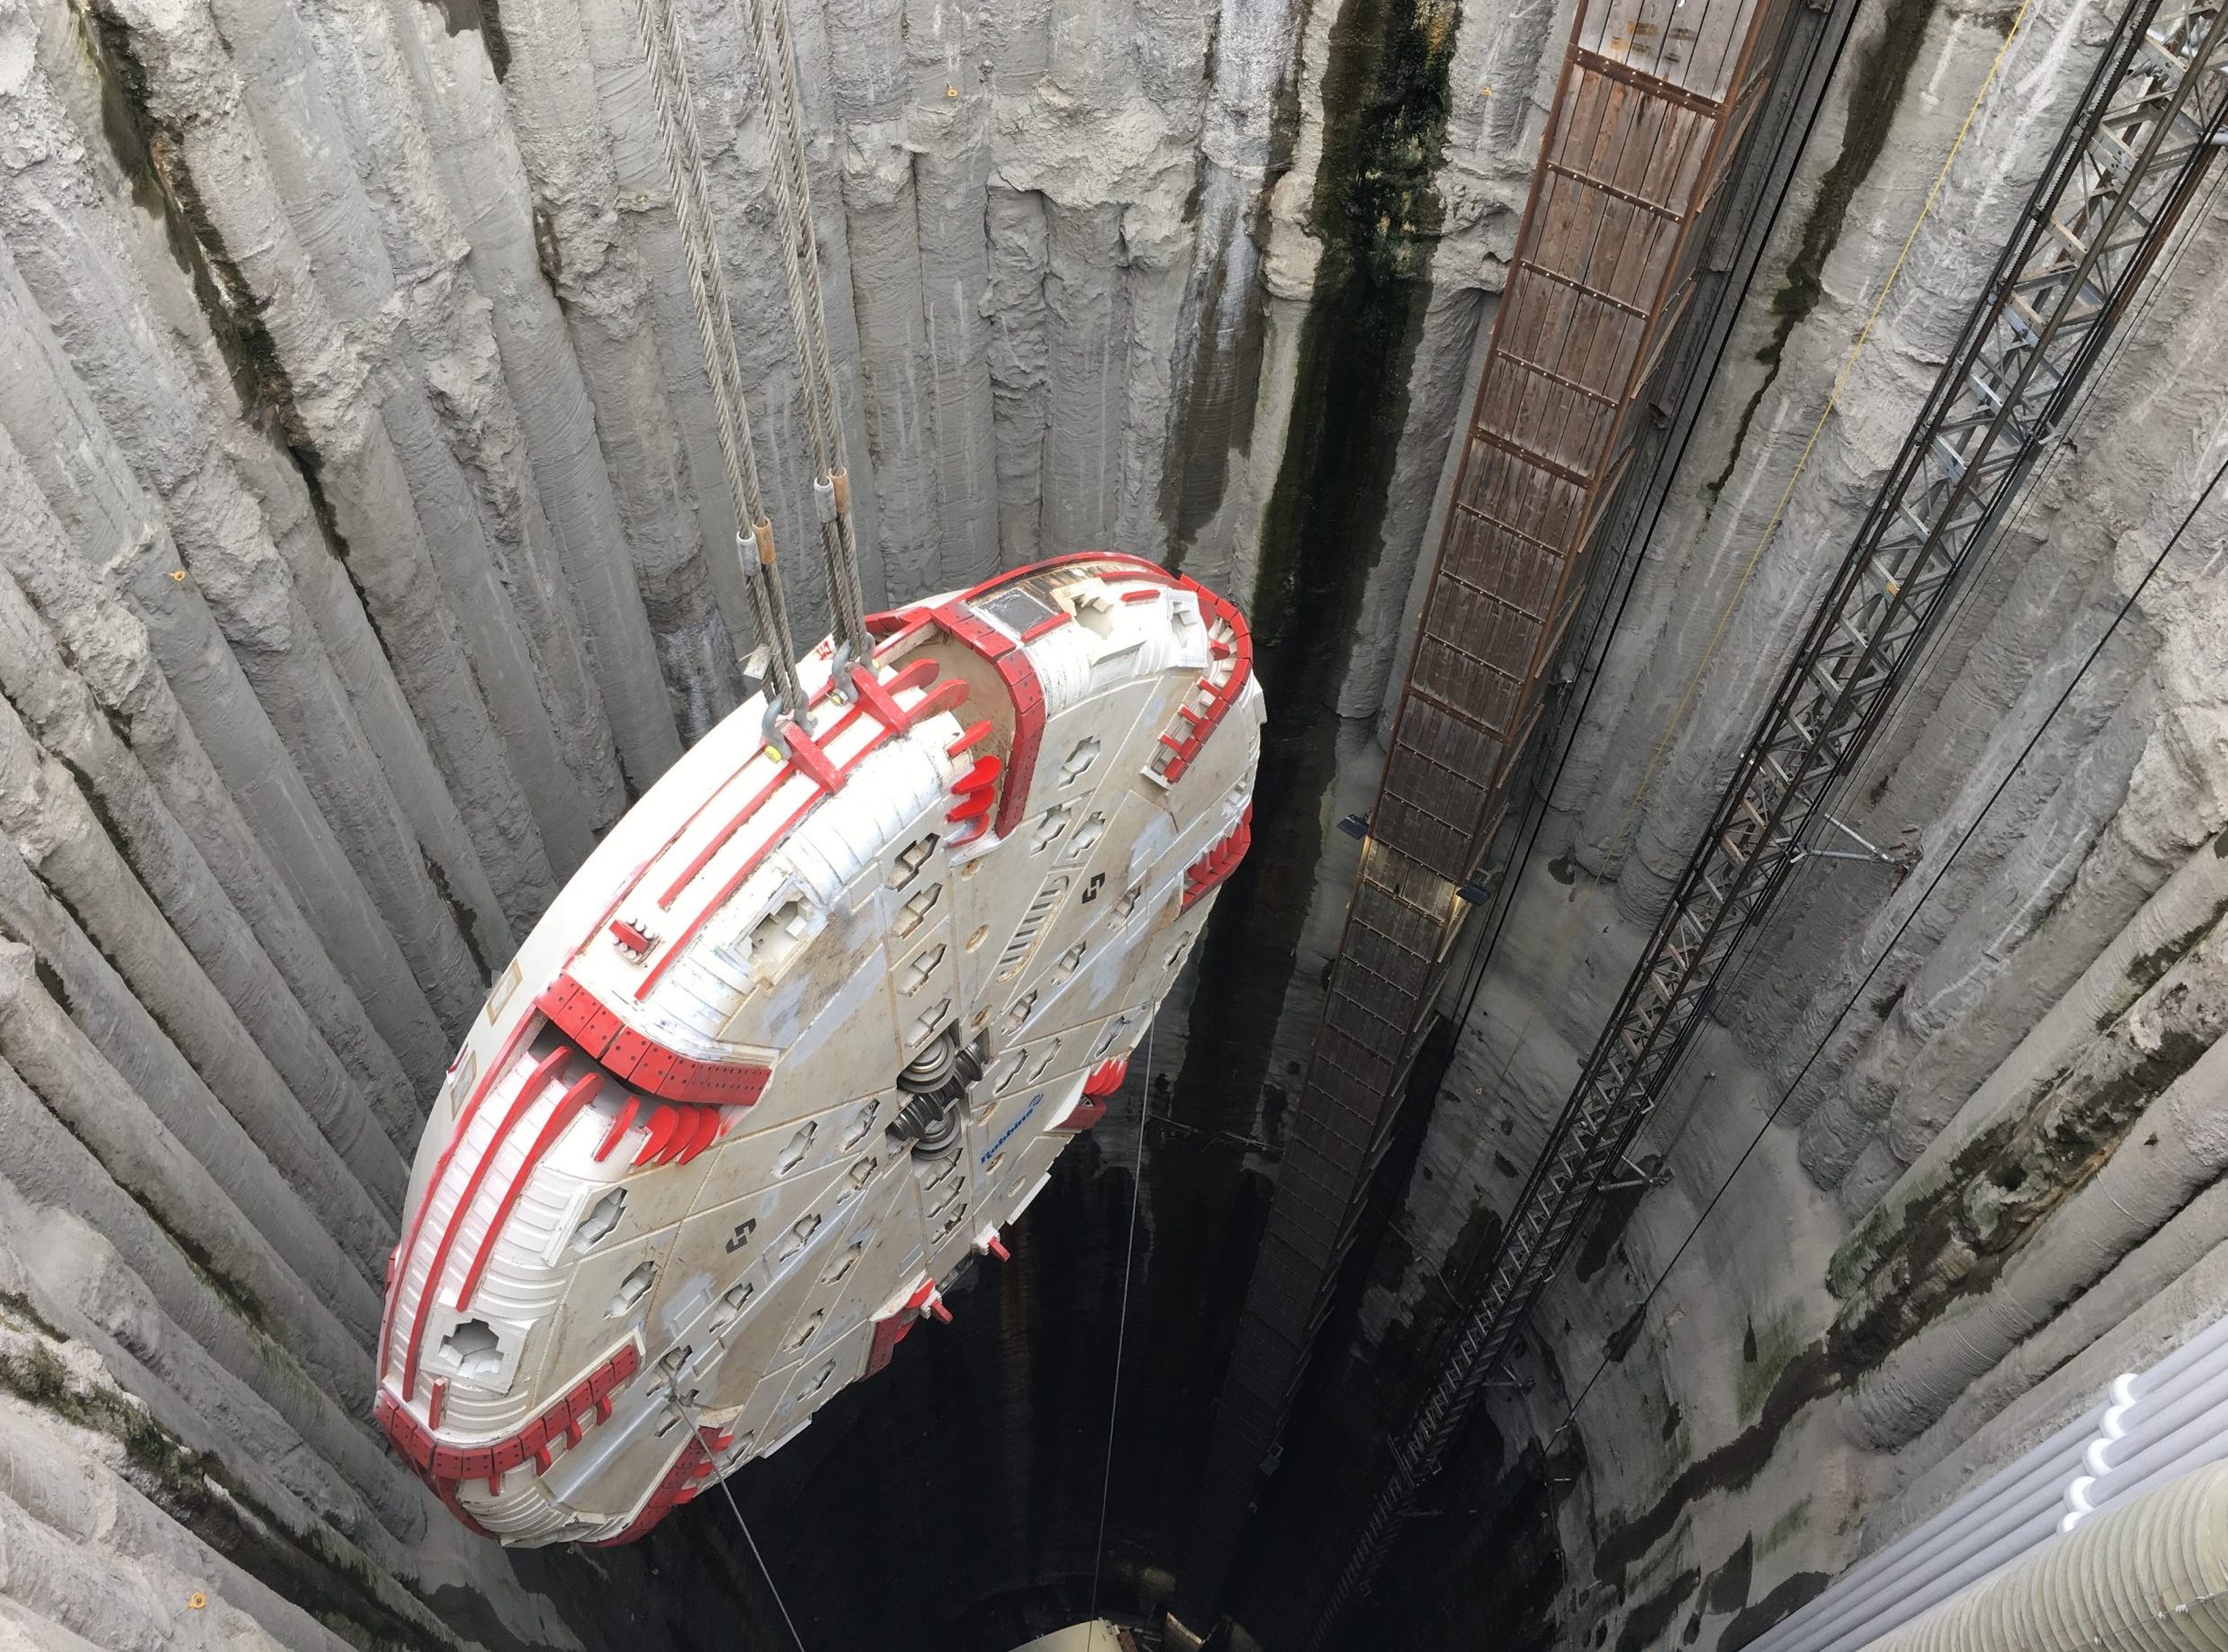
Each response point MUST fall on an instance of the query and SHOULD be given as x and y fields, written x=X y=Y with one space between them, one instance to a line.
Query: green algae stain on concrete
x=1876 y=90
x=1766 y=1352
x=314 y=1568
x=1376 y=210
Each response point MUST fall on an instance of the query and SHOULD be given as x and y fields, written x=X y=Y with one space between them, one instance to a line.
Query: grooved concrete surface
x=363 y=553
x=1981 y=1192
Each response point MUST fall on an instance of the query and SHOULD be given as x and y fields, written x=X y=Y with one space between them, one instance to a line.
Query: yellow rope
x=1568 y=932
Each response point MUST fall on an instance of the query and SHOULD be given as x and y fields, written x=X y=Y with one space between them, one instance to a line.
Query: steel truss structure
x=2123 y=168
x=1653 y=99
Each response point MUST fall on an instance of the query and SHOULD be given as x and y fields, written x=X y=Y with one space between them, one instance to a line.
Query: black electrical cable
x=1879 y=751
x=1888 y=951
x=1629 y=561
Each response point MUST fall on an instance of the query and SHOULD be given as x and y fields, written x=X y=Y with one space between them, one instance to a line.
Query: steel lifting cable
x=684 y=164
x=1121 y=1331
x=707 y=1440
x=808 y=321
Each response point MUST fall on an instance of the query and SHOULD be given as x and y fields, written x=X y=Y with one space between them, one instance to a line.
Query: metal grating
x=2125 y=165
x=1653 y=98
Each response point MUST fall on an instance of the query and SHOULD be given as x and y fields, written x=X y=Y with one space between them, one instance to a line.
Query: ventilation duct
x=2149 y=1428
x=2152 y=1572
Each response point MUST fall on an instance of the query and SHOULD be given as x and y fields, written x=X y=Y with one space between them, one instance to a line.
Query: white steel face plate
x=809 y=1027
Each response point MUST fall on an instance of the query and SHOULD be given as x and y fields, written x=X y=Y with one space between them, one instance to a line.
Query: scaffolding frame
x=2124 y=167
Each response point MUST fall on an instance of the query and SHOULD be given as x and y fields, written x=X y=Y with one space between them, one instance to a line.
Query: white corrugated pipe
x=2165 y=1422
x=2150 y=1575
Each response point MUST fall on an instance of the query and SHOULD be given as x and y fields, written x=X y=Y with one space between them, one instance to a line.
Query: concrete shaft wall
x=1983 y=1110
x=363 y=553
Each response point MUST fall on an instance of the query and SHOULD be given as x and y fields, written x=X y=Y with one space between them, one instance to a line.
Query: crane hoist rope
x=684 y=162
x=744 y=1101
x=808 y=320
x=659 y=31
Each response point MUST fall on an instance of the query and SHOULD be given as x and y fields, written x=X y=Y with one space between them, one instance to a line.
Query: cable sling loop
x=707 y=284
x=808 y=319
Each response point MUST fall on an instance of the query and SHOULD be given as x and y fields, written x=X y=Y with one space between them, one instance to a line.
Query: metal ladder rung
x=2173 y=67
x=2017 y=303
x=1949 y=458
x=2071 y=241
x=2105 y=135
